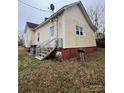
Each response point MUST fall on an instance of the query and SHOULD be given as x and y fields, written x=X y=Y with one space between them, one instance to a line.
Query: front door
x=51 y=33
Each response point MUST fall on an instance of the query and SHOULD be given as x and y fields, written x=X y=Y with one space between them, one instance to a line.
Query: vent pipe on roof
x=45 y=18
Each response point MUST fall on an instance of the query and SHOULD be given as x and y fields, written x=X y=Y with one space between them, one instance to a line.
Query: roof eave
x=52 y=16
x=87 y=17
x=64 y=8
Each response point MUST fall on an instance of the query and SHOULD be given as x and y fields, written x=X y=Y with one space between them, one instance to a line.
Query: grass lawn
x=70 y=76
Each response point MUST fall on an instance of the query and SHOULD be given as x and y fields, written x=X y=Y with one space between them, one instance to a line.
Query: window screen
x=79 y=30
x=52 y=31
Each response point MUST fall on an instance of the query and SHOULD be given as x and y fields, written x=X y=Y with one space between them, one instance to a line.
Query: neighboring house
x=29 y=34
x=67 y=30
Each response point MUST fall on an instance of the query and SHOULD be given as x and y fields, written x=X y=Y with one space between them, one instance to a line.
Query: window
x=81 y=33
x=52 y=31
x=79 y=30
x=38 y=37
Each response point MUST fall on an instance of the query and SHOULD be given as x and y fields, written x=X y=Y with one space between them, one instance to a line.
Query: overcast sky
x=27 y=13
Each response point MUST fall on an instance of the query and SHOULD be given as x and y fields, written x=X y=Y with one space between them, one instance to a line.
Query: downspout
x=57 y=32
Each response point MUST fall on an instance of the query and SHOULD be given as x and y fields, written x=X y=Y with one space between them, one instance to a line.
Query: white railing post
x=36 y=51
x=45 y=44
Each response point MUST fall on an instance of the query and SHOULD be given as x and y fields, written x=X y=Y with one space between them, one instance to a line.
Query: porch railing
x=48 y=43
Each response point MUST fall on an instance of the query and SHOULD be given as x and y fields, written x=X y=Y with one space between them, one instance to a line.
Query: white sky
x=27 y=13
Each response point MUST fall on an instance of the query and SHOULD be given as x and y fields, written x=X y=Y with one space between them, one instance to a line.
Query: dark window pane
x=81 y=33
x=38 y=36
x=77 y=32
x=38 y=39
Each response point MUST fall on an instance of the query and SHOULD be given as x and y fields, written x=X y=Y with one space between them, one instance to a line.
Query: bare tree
x=20 y=38
x=97 y=16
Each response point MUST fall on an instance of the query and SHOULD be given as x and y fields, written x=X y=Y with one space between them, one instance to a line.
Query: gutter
x=57 y=31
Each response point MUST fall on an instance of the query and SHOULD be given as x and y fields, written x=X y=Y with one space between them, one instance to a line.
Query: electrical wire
x=34 y=7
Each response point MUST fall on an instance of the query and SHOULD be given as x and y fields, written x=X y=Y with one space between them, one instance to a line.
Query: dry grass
x=70 y=76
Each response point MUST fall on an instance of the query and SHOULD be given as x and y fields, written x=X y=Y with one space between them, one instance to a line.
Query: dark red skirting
x=73 y=52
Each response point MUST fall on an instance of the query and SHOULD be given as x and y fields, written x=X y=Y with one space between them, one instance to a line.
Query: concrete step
x=39 y=57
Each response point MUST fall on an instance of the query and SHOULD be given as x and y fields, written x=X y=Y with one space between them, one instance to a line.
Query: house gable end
x=84 y=12
x=73 y=17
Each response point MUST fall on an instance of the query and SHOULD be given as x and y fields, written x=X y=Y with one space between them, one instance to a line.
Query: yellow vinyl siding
x=28 y=37
x=44 y=32
x=73 y=17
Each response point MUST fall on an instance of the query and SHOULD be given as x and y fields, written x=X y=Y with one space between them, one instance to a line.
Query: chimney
x=45 y=18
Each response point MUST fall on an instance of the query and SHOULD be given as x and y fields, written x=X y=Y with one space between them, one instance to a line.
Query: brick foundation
x=73 y=52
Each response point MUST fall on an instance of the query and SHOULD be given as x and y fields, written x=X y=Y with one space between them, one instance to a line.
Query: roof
x=32 y=25
x=61 y=10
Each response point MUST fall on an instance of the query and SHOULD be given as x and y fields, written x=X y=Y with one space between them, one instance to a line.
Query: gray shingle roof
x=32 y=25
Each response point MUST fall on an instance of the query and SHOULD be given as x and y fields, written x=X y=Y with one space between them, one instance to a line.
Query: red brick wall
x=73 y=52
x=90 y=49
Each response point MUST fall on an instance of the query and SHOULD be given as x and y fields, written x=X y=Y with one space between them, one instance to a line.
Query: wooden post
x=82 y=56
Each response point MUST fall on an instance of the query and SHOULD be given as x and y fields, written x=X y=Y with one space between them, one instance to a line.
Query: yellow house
x=67 y=30
x=29 y=34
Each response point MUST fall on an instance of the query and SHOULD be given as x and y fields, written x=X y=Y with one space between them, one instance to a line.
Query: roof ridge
x=61 y=10
x=32 y=25
x=31 y=22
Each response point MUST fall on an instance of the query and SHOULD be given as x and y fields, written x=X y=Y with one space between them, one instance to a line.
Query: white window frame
x=79 y=29
x=52 y=31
